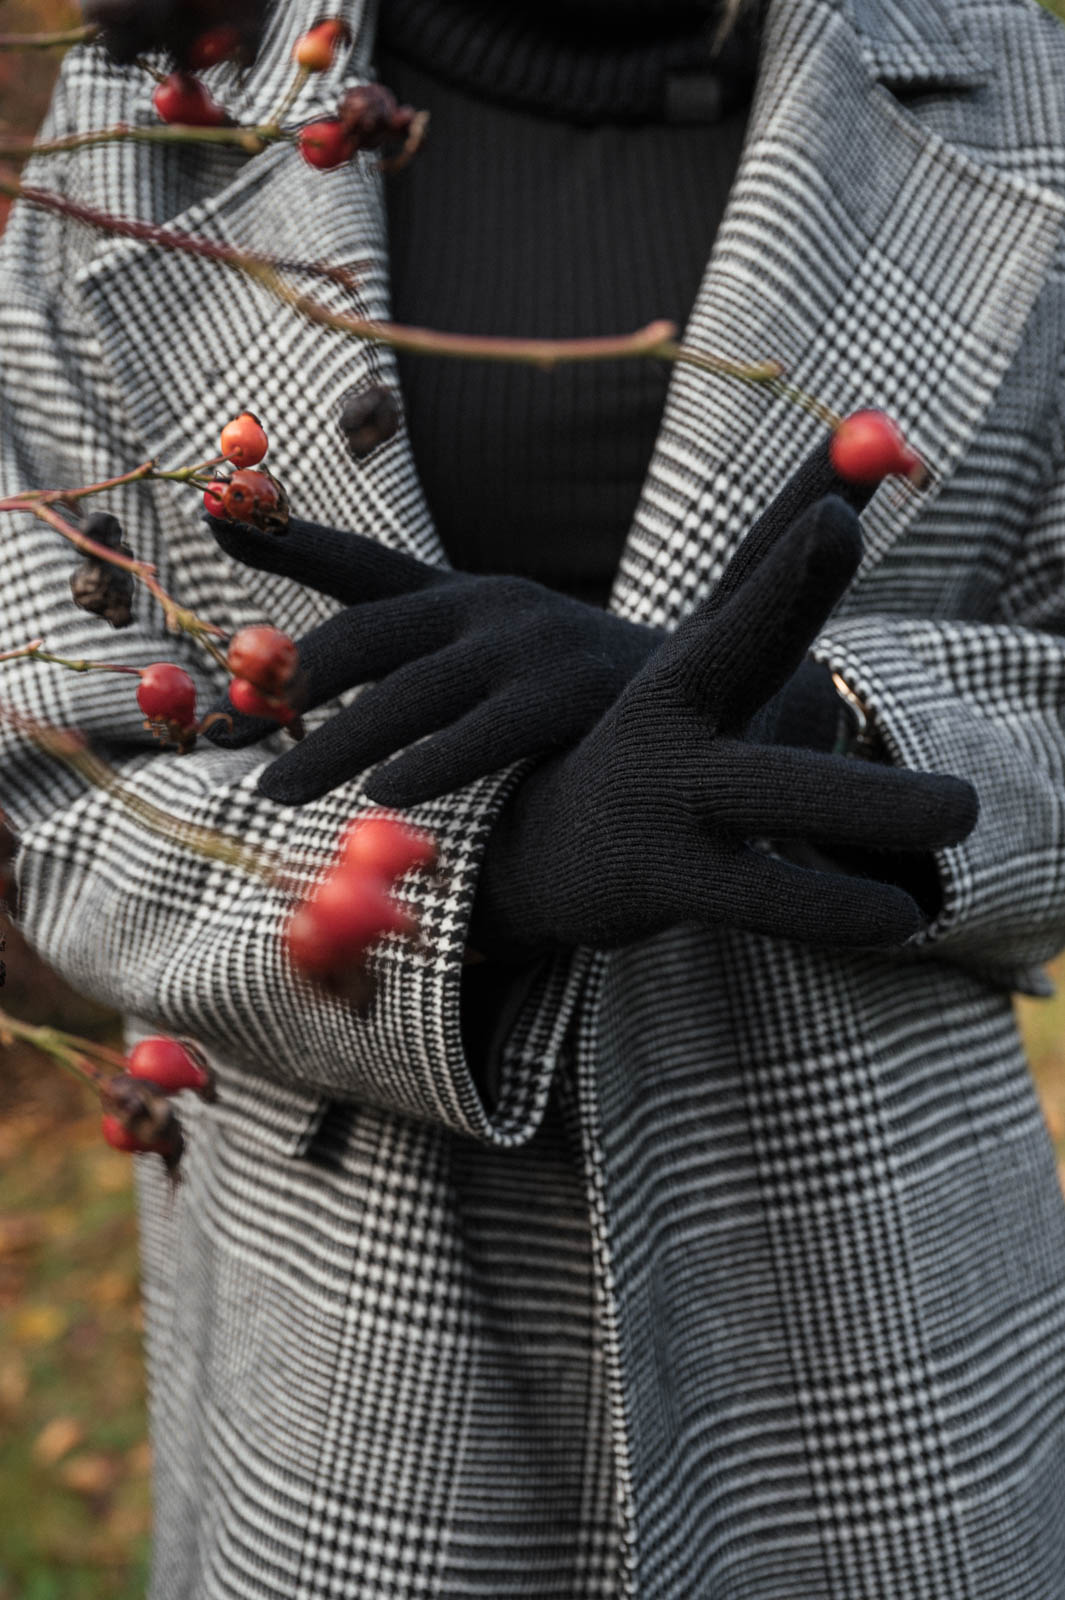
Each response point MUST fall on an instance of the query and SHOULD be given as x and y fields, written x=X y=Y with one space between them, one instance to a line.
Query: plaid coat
x=751 y=1284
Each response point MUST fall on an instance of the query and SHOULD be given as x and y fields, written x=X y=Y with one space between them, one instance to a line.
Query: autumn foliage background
x=74 y=1505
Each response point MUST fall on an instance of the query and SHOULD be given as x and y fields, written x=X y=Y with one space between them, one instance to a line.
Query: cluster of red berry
x=368 y=117
x=265 y=665
x=250 y=494
x=327 y=936
x=137 y=1111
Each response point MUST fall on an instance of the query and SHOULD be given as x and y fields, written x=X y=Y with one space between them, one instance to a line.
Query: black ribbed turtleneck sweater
x=579 y=159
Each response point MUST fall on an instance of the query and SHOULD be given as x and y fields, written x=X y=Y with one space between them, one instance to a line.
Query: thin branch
x=72 y=749
x=169 y=239
x=292 y=94
x=253 y=140
x=64 y=1048
x=657 y=341
x=35 y=651
x=48 y=41
x=178 y=618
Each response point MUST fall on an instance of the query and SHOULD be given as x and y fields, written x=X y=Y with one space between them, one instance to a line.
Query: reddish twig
x=48 y=41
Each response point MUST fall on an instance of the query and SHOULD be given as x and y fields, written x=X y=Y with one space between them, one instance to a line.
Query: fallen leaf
x=19 y=1234
x=89 y=1474
x=14 y=1382
x=56 y=1439
x=38 y=1324
x=112 y=1288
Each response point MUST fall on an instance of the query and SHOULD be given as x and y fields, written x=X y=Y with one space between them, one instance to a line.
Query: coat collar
x=838 y=256
x=916 y=43
x=880 y=264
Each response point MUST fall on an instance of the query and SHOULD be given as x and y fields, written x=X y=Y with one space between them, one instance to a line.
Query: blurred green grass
x=74 y=1460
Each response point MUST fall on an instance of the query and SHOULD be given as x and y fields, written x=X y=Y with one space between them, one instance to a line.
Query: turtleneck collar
x=581 y=60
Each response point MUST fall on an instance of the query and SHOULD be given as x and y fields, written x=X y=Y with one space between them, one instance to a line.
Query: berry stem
x=64 y=1048
x=251 y=139
x=273 y=123
x=35 y=651
x=411 y=145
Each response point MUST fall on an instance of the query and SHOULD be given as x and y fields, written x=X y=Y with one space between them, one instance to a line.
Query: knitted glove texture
x=468 y=673
x=659 y=816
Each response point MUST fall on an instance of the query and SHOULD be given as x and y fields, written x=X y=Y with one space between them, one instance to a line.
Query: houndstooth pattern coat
x=751 y=1283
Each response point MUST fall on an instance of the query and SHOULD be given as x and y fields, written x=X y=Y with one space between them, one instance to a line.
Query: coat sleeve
x=986 y=701
x=138 y=920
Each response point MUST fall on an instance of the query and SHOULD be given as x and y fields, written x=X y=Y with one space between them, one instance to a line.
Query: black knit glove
x=493 y=669
x=471 y=673
x=657 y=817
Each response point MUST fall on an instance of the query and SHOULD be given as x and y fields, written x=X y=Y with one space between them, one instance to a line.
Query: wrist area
x=506 y=925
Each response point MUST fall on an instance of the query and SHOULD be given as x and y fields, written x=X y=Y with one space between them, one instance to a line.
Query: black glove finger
x=729 y=663
x=813 y=480
x=409 y=704
x=779 y=793
x=763 y=894
x=359 y=645
x=348 y=566
x=366 y=643
x=487 y=739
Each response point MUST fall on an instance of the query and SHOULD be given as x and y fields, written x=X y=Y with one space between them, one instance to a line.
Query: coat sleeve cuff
x=931 y=689
x=191 y=945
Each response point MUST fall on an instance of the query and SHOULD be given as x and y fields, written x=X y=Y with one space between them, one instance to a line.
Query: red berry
x=217 y=44
x=326 y=144
x=118 y=1135
x=214 y=499
x=167 y=1064
x=183 y=99
x=357 y=909
x=265 y=656
x=867 y=447
x=246 y=698
x=248 y=494
x=386 y=846
x=311 y=946
x=166 y=693
x=244 y=440
x=347 y=914
x=315 y=50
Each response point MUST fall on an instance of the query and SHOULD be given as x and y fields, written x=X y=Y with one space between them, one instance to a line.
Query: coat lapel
x=839 y=255
x=190 y=342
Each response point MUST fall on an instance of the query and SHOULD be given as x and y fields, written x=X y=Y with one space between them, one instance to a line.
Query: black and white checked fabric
x=751 y=1286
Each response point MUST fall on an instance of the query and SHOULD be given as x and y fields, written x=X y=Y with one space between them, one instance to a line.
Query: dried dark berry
x=370 y=417
x=138 y=1116
x=104 y=590
x=372 y=116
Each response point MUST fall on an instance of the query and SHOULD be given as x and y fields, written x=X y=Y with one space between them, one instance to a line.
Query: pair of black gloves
x=675 y=774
